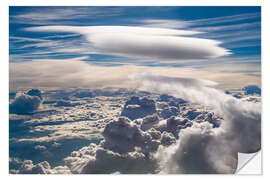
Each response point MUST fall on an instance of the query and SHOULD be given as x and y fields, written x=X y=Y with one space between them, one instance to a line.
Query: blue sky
x=237 y=30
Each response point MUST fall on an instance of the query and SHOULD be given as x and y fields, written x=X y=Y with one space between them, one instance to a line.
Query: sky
x=186 y=52
x=219 y=39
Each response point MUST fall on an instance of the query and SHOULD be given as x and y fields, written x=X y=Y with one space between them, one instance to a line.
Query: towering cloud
x=215 y=149
x=125 y=149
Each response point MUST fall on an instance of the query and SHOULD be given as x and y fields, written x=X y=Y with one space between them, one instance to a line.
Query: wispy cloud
x=165 y=23
x=229 y=27
x=225 y=19
x=24 y=39
x=62 y=14
x=173 y=23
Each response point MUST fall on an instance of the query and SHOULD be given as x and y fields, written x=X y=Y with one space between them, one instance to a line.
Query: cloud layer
x=144 y=43
x=155 y=145
x=68 y=73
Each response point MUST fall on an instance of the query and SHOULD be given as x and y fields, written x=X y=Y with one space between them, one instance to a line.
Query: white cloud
x=97 y=160
x=125 y=149
x=225 y=19
x=200 y=149
x=240 y=131
x=165 y=23
x=54 y=15
x=124 y=135
x=173 y=23
x=242 y=26
x=144 y=43
x=42 y=168
x=152 y=146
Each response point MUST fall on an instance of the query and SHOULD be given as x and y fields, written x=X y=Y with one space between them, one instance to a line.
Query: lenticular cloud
x=144 y=42
x=201 y=148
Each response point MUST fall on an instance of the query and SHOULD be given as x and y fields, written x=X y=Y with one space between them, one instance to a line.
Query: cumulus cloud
x=97 y=160
x=124 y=135
x=129 y=146
x=34 y=92
x=143 y=42
x=240 y=131
x=137 y=107
x=167 y=139
x=125 y=149
x=193 y=143
x=133 y=162
x=23 y=104
x=63 y=103
x=41 y=168
x=200 y=149
x=149 y=121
